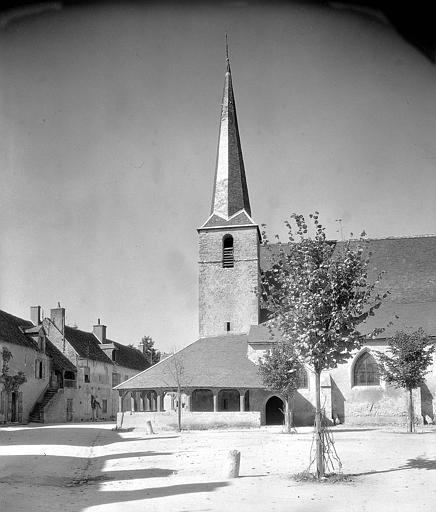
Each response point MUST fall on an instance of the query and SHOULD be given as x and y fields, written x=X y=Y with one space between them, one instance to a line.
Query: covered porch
x=192 y=400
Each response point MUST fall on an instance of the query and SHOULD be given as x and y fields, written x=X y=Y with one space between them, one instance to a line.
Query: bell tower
x=229 y=239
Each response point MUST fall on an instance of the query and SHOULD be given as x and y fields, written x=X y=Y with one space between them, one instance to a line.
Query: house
x=33 y=355
x=218 y=373
x=70 y=373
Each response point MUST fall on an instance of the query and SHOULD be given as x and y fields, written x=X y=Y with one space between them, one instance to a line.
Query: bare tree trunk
x=288 y=416
x=411 y=418
x=318 y=428
x=179 y=409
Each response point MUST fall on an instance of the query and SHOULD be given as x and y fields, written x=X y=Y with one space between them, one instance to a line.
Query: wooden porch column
x=188 y=401
x=132 y=402
x=215 y=400
x=120 y=401
x=141 y=401
x=159 y=402
x=242 y=400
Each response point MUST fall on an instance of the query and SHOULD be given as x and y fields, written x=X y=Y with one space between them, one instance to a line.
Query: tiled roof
x=410 y=266
x=60 y=362
x=10 y=331
x=217 y=362
x=129 y=357
x=86 y=345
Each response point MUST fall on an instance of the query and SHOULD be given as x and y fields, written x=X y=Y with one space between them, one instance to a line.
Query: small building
x=218 y=373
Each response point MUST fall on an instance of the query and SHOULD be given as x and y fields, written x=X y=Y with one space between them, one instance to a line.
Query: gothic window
x=366 y=371
x=228 y=257
x=303 y=381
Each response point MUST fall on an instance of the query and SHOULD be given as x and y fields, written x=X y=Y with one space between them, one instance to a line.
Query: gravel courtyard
x=92 y=468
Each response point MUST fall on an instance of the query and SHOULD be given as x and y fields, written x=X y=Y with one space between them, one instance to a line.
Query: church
x=217 y=375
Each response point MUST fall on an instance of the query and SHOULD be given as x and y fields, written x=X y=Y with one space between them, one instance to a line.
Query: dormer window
x=228 y=257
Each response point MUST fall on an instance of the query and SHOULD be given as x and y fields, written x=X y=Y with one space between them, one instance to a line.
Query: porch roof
x=215 y=362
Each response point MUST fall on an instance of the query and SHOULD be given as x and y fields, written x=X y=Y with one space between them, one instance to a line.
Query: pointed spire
x=230 y=194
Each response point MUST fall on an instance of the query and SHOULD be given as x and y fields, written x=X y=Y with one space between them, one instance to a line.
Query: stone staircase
x=37 y=414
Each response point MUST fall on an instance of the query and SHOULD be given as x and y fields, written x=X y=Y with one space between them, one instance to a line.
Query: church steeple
x=230 y=193
x=229 y=239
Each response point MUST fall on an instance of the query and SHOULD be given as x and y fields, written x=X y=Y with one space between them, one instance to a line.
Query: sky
x=109 y=123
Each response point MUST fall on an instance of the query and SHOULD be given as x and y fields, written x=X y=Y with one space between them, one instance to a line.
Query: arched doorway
x=274 y=411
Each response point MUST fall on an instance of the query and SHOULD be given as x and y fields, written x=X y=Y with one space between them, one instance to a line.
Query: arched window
x=303 y=381
x=228 y=257
x=366 y=371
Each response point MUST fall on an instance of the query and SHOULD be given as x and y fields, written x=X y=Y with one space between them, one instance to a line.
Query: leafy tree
x=406 y=363
x=152 y=355
x=318 y=293
x=280 y=371
x=10 y=383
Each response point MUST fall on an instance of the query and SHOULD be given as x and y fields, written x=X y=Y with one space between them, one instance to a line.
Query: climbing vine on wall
x=11 y=383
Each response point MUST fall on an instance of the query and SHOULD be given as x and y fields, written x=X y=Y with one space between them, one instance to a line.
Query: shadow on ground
x=417 y=463
x=84 y=480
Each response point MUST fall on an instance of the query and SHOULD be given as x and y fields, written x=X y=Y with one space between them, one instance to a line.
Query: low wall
x=190 y=420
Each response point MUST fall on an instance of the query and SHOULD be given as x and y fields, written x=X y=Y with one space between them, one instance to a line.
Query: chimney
x=99 y=331
x=57 y=316
x=35 y=315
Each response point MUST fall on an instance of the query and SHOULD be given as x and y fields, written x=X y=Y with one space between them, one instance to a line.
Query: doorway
x=274 y=411
x=69 y=409
x=14 y=407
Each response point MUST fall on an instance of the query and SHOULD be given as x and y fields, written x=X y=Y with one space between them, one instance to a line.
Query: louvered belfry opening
x=228 y=257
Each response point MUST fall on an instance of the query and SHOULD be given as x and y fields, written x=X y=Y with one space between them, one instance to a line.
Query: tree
x=152 y=355
x=10 y=383
x=280 y=371
x=176 y=371
x=406 y=363
x=318 y=293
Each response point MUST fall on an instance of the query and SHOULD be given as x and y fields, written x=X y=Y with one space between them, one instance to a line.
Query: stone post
x=159 y=402
x=120 y=401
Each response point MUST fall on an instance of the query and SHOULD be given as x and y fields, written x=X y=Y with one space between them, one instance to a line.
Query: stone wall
x=190 y=420
x=228 y=294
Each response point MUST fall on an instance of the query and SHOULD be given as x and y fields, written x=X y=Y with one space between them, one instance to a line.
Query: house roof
x=409 y=264
x=10 y=331
x=60 y=362
x=216 y=362
x=86 y=345
x=128 y=356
